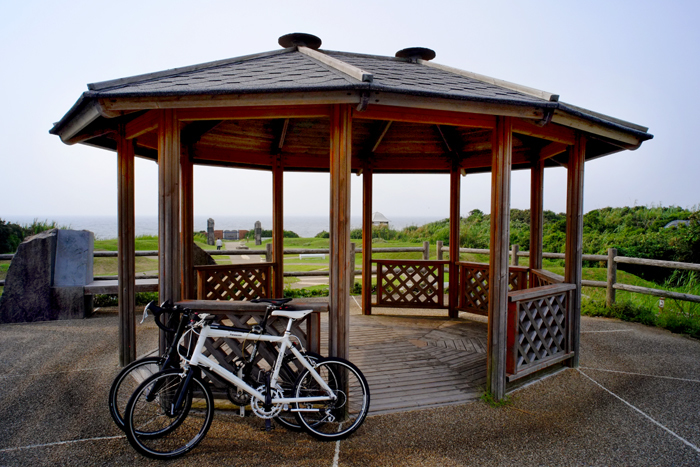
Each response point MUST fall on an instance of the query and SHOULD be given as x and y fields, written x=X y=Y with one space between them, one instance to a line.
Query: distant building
x=379 y=220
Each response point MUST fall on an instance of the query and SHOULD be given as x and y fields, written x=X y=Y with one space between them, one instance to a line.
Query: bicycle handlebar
x=165 y=307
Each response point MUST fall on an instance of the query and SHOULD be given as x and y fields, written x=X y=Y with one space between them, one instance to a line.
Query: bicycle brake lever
x=145 y=315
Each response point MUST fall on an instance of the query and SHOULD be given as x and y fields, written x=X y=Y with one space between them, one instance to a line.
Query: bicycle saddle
x=273 y=301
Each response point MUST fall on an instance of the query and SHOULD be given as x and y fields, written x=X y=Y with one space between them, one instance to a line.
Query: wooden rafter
x=280 y=134
x=193 y=131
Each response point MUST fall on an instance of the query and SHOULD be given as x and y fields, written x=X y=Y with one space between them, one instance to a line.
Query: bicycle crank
x=258 y=405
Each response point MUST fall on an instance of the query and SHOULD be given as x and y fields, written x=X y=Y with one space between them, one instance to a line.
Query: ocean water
x=105 y=227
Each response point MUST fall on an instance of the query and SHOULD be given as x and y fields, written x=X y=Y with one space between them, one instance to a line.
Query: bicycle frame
x=199 y=359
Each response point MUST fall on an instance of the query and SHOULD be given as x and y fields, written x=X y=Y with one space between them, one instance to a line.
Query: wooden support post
x=514 y=250
x=187 y=220
x=426 y=251
x=454 y=241
x=126 y=258
x=340 y=168
x=536 y=216
x=438 y=249
x=612 y=277
x=268 y=252
x=278 y=228
x=574 y=239
x=352 y=266
x=168 y=210
x=498 y=257
x=367 y=240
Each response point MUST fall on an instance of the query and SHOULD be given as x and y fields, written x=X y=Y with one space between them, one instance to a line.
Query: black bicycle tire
x=314 y=428
x=135 y=439
x=116 y=410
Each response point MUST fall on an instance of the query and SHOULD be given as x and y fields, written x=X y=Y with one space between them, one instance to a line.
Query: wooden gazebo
x=300 y=108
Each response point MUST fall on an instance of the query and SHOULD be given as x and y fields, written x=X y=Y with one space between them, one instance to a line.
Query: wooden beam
x=548 y=96
x=199 y=107
x=280 y=135
x=340 y=155
x=550 y=132
x=381 y=135
x=455 y=181
x=579 y=123
x=574 y=239
x=278 y=228
x=143 y=124
x=367 y=176
x=552 y=150
x=431 y=117
x=536 y=216
x=214 y=154
x=256 y=112
x=187 y=221
x=193 y=131
x=339 y=65
x=168 y=210
x=498 y=257
x=126 y=259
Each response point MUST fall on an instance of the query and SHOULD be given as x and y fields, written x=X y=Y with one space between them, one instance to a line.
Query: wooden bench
x=112 y=286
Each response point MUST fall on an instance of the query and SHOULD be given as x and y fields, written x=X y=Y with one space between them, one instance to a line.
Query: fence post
x=514 y=255
x=352 y=266
x=612 y=277
x=438 y=247
x=268 y=253
x=426 y=251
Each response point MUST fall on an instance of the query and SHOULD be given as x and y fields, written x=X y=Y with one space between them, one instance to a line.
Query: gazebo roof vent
x=415 y=53
x=300 y=39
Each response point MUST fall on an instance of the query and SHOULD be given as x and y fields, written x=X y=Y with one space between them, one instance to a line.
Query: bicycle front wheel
x=156 y=426
x=126 y=382
x=338 y=418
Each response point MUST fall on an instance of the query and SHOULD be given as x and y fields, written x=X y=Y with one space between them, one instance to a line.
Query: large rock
x=46 y=278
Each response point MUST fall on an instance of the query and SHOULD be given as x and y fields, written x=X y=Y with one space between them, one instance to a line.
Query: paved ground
x=632 y=402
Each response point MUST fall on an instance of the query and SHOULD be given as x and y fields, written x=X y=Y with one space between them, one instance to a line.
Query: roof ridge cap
x=548 y=96
x=176 y=71
x=338 y=65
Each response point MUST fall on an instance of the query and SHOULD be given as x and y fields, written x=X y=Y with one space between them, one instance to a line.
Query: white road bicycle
x=171 y=411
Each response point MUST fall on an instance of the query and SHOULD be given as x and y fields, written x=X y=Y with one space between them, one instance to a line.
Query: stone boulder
x=46 y=278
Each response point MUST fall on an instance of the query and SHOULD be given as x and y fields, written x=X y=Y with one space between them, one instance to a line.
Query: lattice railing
x=540 y=277
x=410 y=284
x=538 y=328
x=474 y=285
x=234 y=282
x=230 y=352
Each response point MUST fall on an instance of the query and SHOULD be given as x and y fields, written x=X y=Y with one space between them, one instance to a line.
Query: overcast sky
x=634 y=60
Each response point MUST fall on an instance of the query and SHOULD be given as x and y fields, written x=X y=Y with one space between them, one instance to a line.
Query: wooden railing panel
x=539 y=328
x=410 y=284
x=230 y=352
x=474 y=285
x=542 y=277
x=234 y=282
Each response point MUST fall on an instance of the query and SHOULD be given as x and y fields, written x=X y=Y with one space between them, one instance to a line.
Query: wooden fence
x=540 y=277
x=612 y=259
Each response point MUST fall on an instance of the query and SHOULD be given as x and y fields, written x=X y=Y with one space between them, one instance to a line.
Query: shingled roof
x=301 y=69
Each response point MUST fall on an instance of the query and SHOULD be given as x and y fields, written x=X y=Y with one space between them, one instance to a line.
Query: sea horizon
x=105 y=227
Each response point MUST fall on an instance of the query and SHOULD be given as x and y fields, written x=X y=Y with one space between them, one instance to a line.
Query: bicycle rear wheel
x=288 y=376
x=126 y=382
x=158 y=430
x=334 y=419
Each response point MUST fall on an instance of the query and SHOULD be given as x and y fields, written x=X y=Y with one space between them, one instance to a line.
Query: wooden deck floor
x=414 y=362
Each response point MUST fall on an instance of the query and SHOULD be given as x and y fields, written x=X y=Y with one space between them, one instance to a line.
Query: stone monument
x=210 y=231
x=46 y=278
x=258 y=233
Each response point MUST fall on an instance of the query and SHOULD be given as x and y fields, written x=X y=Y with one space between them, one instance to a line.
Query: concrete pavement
x=632 y=402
